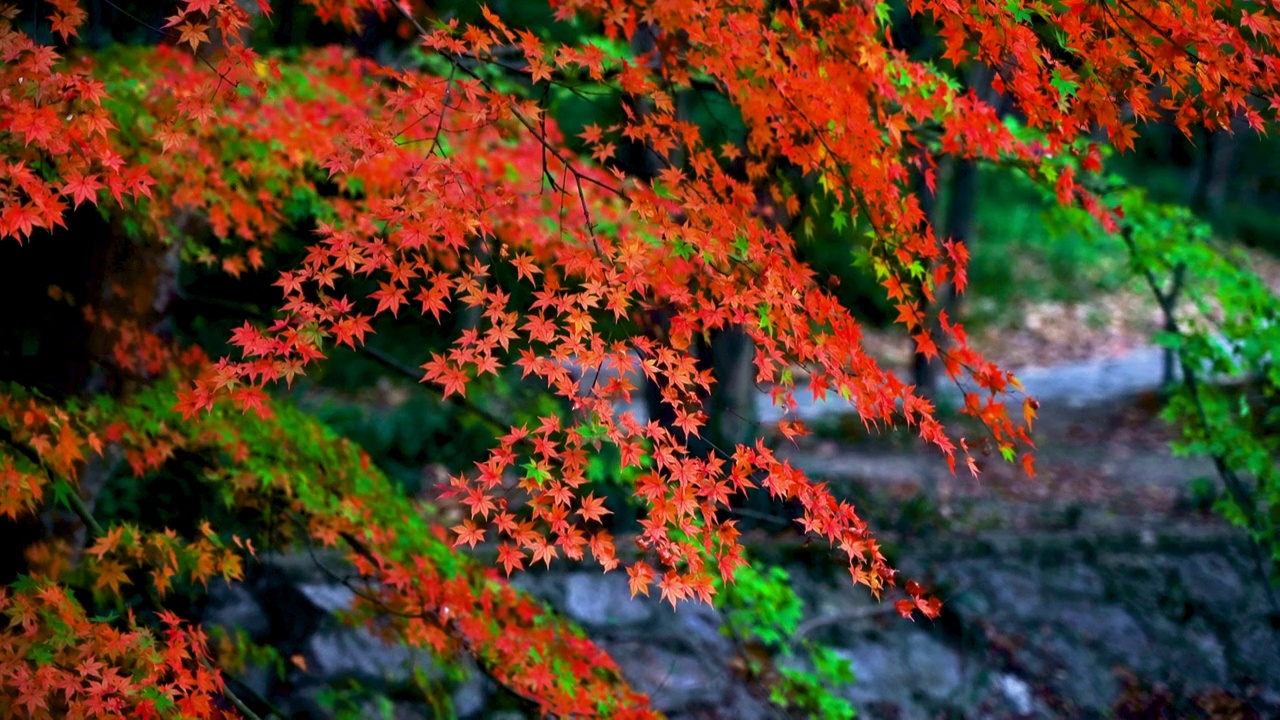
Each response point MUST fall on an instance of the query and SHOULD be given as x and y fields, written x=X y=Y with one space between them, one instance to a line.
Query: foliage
x=763 y=611
x=439 y=195
x=287 y=477
x=1022 y=255
x=1221 y=325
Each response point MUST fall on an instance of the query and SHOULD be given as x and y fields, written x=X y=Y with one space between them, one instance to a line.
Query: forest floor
x=1105 y=586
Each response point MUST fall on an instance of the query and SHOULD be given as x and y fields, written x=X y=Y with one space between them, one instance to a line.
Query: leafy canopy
x=441 y=186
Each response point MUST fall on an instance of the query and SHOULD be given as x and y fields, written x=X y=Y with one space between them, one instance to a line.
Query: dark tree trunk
x=958 y=225
x=922 y=371
x=732 y=407
x=962 y=207
x=1209 y=185
x=282 y=18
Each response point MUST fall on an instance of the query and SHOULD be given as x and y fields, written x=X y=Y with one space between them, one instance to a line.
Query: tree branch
x=1240 y=493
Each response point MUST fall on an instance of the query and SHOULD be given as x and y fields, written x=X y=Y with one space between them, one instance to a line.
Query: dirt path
x=1103 y=583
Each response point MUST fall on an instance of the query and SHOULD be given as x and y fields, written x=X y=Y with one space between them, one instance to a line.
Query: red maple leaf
x=593 y=508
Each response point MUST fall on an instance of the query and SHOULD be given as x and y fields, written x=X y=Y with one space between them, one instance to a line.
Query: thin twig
x=239 y=704
x=856 y=614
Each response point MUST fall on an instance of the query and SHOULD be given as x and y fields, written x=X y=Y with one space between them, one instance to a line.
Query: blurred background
x=1106 y=586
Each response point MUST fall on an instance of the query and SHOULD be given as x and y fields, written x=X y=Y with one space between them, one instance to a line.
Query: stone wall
x=1058 y=625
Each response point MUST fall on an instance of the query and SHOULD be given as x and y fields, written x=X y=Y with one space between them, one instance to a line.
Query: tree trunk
x=732 y=406
x=1207 y=196
x=922 y=371
x=958 y=225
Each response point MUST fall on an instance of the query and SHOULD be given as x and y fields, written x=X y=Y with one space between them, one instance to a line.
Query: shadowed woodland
x=633 y=358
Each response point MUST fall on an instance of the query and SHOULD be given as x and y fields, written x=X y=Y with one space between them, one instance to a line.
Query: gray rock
x=909 y=670
x=1074 y=580
x=700 y=624
x=359 y=654
x=1039 y=633
x=232 y=608
x=1083 y=676
x=471 y=696
x=672 y=681
x=257 y=678
x=531 y=582
x=1257 y=650
x=1011 y=589
x=1207 y=659
x=1015 y=691
x=1213 y=582
x=874 y=694
x=387 y=710
x=1111 y=631
x=742 y=705
x=933 y=668
x=603 y=600
x=329 y=597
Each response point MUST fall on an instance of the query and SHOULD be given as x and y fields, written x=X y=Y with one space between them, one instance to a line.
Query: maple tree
x=442 y=186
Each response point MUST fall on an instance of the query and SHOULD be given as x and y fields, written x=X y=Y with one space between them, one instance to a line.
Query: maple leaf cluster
x=448 y=182
x=88 y=668
x=56 y=127
x=414 y=589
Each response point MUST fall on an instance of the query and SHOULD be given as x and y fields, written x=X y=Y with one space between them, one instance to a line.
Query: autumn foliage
x=436 y=190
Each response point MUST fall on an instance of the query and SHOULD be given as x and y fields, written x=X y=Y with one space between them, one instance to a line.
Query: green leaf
x=1066 y=88
x=838 y=219
x=1020 y=14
